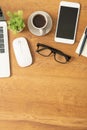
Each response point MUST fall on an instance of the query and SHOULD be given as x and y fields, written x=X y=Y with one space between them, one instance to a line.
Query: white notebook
x=4 y=49
x=84 y=52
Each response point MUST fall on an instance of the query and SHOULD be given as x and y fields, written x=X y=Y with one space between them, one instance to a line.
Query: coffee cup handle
x=42 y=31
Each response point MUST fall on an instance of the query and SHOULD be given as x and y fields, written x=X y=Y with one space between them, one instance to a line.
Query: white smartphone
x=66 y=27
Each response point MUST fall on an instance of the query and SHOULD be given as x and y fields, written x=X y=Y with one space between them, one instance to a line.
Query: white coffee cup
x=39 y=21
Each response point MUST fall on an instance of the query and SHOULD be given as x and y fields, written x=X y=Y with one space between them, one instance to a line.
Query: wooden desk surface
x=47 y=94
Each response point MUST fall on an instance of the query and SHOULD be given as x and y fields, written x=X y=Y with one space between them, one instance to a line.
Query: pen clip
x=83 y=42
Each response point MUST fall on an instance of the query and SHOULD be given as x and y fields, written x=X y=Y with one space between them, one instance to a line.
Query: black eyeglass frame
x=54 y=51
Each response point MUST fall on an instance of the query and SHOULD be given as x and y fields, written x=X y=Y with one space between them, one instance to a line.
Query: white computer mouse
x=22 y=52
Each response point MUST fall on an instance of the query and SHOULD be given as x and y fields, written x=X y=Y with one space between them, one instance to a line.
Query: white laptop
x=4 y=49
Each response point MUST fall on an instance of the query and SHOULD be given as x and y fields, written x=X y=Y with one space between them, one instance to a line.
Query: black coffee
x=39 y=21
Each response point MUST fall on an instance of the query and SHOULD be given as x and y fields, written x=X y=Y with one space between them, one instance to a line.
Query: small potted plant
x=15 y=22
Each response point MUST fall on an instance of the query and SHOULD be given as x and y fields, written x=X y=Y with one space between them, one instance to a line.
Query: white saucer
x=36 y=31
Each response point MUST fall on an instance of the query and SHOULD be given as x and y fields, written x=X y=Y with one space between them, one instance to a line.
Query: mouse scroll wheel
x=19 y=41
x=19 y=44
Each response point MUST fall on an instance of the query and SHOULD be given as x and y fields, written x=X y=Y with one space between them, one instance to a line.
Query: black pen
x=83 y=43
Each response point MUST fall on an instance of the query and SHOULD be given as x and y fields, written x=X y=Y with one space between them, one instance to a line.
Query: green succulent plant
x=15 y=22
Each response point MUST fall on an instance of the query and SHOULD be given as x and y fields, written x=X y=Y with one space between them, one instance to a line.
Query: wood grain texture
x=26 y=125
x=46 y=92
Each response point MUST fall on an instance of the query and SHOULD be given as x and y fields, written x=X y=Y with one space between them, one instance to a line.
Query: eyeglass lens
x=44 y=51
x=60 y=58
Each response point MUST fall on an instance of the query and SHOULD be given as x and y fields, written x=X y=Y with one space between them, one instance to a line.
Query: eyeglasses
x=46 y=51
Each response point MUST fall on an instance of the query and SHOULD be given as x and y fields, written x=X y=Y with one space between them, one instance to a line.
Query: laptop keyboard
x=2 y=48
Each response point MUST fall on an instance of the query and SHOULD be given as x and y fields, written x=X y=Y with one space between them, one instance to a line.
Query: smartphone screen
x=67 y=22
